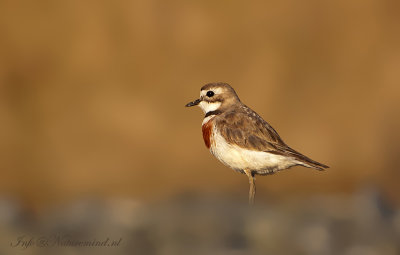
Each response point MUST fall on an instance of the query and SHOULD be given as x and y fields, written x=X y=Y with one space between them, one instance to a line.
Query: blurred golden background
x=93 y=94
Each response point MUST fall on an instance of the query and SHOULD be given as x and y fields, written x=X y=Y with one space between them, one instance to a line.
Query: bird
x=241 y=139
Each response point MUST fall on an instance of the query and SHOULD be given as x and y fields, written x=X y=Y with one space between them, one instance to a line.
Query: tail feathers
x=313 y=164
x=306 y=161
x=300 y=158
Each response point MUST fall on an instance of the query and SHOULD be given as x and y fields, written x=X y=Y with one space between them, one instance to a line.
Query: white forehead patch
x=209 y=106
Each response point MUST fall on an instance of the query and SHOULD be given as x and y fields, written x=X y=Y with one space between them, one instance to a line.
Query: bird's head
x=215 y=96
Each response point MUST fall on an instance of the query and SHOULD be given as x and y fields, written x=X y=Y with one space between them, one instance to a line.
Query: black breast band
x=216 y=112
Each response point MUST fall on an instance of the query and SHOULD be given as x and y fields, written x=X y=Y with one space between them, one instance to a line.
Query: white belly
x=239 y=159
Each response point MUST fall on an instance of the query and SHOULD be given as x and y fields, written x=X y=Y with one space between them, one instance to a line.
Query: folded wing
x=247 y=129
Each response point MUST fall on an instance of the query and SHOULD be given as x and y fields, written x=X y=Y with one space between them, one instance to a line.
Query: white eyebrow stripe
x=215 y=90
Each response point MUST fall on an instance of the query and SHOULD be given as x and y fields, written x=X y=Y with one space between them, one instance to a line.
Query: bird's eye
x=210 y=93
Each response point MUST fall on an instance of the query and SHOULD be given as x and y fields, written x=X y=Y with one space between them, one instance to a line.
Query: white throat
x=209 y=106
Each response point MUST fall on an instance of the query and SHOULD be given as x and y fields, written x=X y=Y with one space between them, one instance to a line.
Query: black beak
x=195 y=102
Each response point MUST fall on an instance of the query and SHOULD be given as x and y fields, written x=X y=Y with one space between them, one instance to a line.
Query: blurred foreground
x=361 y=224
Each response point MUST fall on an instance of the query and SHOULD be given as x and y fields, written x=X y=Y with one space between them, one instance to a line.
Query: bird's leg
x=252 y=182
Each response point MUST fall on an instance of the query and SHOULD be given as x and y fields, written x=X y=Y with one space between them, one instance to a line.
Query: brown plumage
x=245 y=128
x=241 y=139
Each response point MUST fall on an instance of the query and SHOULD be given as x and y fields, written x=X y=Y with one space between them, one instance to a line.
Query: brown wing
x=247 y=129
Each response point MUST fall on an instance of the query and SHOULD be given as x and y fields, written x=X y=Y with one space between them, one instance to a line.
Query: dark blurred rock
x=201 y=225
